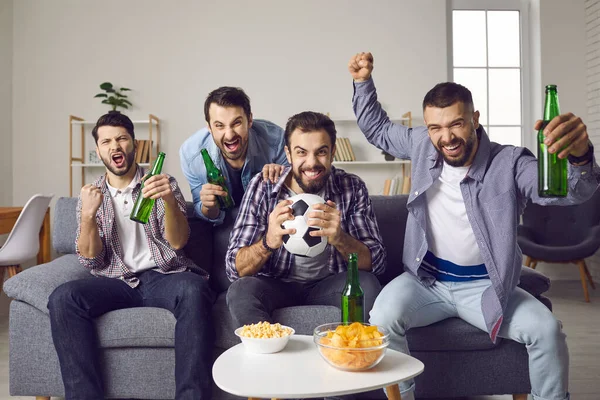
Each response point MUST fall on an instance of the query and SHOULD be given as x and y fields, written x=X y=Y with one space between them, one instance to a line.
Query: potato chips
x=354 y=342
x=265 y=330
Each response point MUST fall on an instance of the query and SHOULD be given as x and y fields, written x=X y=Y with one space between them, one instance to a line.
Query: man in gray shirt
x=460 y=252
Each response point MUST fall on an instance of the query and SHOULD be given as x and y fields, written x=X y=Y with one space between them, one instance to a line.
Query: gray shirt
x=307 y=269
x=495 y=191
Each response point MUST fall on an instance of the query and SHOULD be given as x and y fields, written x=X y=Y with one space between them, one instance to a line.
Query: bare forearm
x=89 y=242
x=249 y=260
x=348 y=245
x=176 y=226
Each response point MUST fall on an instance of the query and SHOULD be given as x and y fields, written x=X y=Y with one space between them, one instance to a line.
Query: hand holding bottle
x=565 y=133
x=361 y=66
x=209 y=195
x=91 y=200
x=158 y=187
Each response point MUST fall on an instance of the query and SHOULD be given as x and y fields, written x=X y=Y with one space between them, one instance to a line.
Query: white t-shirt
x=134 y=242
x=449 y=234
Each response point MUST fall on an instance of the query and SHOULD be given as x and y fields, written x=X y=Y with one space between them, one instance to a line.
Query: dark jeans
x=74 y=306
x=254 y=298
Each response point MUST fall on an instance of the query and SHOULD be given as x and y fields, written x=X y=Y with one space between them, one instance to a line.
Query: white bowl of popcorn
x=263 y=337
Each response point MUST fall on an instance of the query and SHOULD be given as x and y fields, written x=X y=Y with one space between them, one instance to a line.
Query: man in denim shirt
x=238 y=145
x=460 y=253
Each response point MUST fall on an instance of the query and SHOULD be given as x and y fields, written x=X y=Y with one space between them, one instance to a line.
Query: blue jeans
x=406 y=303
x=254 y=298
x=74 y=306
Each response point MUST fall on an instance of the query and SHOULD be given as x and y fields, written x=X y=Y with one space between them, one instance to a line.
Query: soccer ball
x=301 y=243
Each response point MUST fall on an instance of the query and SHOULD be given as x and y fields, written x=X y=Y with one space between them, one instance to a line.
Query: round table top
x=298 y=371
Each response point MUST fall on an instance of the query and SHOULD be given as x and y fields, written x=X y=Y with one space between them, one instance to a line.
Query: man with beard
x=239 y=145
x=265 y=275
x=133 y=265
x=460 y=253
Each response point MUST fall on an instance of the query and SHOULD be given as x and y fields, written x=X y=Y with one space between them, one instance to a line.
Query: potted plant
x=114 y=96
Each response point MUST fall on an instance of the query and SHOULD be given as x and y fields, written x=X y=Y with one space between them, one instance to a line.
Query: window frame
x=522 y=6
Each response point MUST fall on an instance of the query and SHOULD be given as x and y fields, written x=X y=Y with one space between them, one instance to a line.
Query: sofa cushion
x=391 y=214
x=199 y=246
x=452 y=334
x=34 y=285
x=219 y=281
x=533 y=282
x=136 y=327
x=64 y=225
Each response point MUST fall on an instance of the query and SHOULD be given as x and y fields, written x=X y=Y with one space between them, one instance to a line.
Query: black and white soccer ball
x=301 y=243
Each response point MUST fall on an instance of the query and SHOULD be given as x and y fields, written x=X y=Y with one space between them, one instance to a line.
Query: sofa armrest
x=533 y=282
x=34 y=285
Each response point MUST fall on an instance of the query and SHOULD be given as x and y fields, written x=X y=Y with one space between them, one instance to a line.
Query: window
x=486 y=58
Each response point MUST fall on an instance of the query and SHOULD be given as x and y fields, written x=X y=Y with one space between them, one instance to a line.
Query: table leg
x=44 y=254
x=393 y=392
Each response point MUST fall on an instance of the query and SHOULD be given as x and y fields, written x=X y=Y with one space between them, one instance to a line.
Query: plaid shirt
x=348 y=192
x=109 y=262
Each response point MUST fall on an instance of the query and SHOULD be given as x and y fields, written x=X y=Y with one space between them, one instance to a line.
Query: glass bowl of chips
x=351 y=347
x=264 y=337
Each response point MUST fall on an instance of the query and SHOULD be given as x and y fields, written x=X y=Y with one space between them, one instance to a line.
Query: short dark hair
x=227 y=96
x=309 y=121
x=447 y=93
x=114 y=119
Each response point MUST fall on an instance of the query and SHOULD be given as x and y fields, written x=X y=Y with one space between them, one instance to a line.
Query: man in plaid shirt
x=133 y=265
x=266 y=276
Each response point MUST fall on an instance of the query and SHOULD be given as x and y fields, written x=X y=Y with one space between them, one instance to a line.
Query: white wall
x=563 y=49
x=6 y=167
x=563 y=62
x=288 y=56
x=592 y=12
x=6 y=57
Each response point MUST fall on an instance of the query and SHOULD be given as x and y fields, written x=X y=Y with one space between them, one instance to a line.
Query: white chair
x=23 y=241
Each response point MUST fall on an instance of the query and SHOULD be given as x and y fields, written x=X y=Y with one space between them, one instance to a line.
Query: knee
x=369 y=283
x=60 y=297
x=388 y=313
x=546 y=330
x=242 y=289
x=195 y=291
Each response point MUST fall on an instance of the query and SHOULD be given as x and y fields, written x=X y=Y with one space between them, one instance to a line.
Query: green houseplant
x=114 y=96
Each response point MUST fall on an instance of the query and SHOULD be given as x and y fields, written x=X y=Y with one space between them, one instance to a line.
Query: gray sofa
x=459 y=359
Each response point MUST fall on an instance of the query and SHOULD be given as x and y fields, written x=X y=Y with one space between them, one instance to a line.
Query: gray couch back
x=207 y=244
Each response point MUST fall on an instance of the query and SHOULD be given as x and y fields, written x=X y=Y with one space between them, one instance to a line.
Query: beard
x=468 y=147
x=313 y=186
x=128 y=163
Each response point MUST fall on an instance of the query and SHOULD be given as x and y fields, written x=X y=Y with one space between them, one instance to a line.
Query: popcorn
x=265 y=330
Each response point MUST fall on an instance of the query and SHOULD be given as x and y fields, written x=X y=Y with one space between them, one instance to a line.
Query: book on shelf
x=344 y=150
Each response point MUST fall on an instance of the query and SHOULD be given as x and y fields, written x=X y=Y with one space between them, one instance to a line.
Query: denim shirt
x=495 y=191
x=265 y=146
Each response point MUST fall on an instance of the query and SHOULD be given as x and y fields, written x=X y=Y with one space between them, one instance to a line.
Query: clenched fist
x=361 y=66
x=91 y=200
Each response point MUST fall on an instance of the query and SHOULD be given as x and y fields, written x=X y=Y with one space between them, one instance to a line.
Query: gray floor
x=581 y=323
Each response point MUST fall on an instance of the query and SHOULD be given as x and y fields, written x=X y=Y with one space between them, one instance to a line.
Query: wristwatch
x=266 y=246
x=588 y=156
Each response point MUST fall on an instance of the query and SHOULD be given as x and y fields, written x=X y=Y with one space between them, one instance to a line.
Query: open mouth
x=233 y=146
x=453 y=149
x=118 y=159
x=312 y=174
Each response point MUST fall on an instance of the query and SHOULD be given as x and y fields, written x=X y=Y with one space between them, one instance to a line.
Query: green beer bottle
x=215 y=177
x=143 y=206
x=353 y=297
x=552 y=171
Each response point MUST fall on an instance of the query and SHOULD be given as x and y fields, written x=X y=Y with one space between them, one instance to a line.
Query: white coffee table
x=298 y=371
